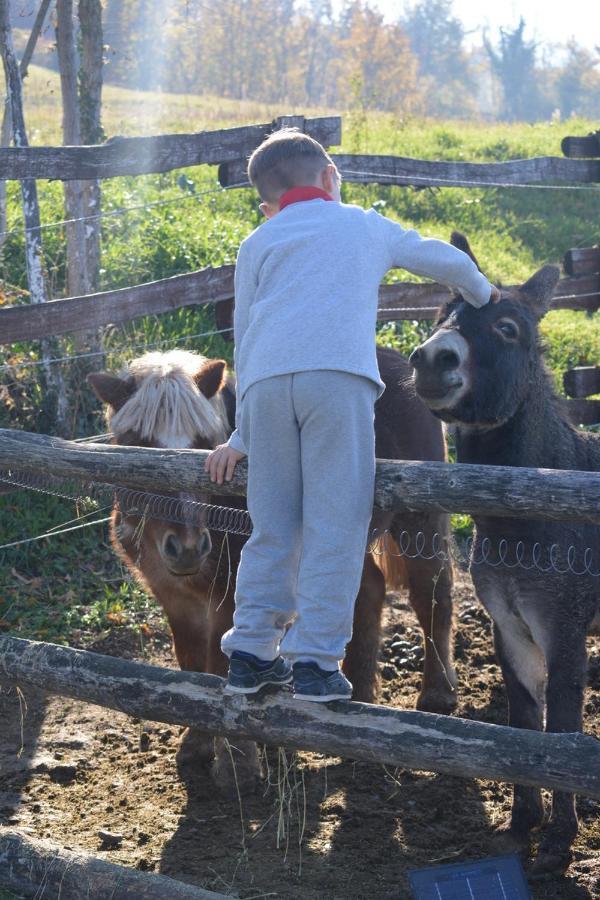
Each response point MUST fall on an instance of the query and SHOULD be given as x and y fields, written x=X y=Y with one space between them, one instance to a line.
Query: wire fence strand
x=523 y=555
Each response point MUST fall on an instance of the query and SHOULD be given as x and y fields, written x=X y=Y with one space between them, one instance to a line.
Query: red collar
x=297 y=194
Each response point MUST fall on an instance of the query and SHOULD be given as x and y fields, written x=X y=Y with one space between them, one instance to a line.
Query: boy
x=306 y=290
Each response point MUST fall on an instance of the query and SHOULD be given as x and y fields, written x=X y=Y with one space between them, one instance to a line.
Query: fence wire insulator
x=509 y=554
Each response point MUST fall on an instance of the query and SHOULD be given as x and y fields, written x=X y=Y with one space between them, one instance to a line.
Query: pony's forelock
x=167 y=406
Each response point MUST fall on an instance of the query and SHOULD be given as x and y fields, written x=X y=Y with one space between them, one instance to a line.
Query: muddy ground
x=322 y=828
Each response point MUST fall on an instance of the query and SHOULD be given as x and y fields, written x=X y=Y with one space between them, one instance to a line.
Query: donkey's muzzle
x=439 y=367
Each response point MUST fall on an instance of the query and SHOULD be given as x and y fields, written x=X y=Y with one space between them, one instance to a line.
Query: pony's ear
x=459 y=240
x=540 y=289
x=111 y=389
x=211 y=377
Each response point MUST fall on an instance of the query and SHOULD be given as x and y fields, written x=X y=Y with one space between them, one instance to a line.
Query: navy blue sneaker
x=313 y=683
x=248 y=674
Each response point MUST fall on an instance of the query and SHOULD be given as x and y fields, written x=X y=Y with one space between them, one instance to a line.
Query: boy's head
x=289 y=159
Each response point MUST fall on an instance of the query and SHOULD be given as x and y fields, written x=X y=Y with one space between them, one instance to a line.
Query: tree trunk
x=6 y=128
x=77 y=279
x=56 y=396
x=90 y=108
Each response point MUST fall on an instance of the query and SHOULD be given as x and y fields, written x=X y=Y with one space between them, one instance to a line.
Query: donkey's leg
x=360 y=664
x=567 y=666
x=522 y=664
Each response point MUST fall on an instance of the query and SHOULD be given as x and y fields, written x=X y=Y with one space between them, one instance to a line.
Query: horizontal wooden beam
x=408 y=485
x=580 y=147
x=34 y=868
x=402 y=300
x=582 y=381
x=32 y=322
x=582 y=261
x=159 y=153
x=378 y=734
x=400 y=170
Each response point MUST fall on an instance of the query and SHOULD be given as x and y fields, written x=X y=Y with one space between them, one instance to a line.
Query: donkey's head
x=480 y=365
x=175 y=400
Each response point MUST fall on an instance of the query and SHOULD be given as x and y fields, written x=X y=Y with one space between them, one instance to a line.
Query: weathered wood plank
x=582 y=261
x=582 y=381
x=403 y=300
x=580 y=147
x=409 y=485
x=158 y=153
x=33 y=867
x=372 y=169
x=414 y=740
x=92 y=310
x=584 y=412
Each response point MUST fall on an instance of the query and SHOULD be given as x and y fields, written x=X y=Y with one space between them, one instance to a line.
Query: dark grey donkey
x=483 y=371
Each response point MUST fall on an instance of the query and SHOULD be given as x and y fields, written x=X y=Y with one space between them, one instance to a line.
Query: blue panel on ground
x=496 y=878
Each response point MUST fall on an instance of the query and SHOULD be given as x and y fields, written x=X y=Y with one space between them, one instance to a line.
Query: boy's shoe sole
x=234 y=689
x=322 y=698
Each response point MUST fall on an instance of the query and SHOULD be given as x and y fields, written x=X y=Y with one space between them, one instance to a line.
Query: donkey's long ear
x=540 y=288
x=111 y=389
x=211 y=377
x=459 y=240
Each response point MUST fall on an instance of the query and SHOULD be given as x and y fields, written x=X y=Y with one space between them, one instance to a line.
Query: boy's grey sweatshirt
x=306 y=290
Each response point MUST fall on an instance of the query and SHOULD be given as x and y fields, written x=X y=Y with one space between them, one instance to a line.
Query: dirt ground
x=320 y=828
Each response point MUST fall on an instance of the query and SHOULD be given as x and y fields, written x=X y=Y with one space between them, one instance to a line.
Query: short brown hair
x=285 y=159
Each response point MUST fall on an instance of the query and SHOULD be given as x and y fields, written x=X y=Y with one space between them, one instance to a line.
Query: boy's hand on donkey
x=221 y=463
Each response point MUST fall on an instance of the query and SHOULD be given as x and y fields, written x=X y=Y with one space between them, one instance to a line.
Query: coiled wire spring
x=510 y=554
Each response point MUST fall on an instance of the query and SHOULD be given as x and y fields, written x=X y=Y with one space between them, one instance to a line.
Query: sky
x=548 y=21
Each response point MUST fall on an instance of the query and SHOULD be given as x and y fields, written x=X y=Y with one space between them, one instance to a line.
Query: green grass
x=71 y=587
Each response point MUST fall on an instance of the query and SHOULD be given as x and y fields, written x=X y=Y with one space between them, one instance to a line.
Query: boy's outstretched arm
x=438 y=260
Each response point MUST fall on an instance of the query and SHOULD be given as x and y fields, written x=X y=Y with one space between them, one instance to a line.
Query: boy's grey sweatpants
x=311 y=469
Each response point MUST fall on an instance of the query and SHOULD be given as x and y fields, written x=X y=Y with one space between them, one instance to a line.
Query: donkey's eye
x=508 y=329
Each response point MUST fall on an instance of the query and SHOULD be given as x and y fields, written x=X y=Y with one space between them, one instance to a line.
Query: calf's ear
x=539 y=289
x=211 y=377
x=111 y=389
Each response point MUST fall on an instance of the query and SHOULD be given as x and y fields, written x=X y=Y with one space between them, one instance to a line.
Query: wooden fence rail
x=37 y=868
x=408 y=485
x=403 y=300
x=378 y=734
x=373 y=169
x=159 y=153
